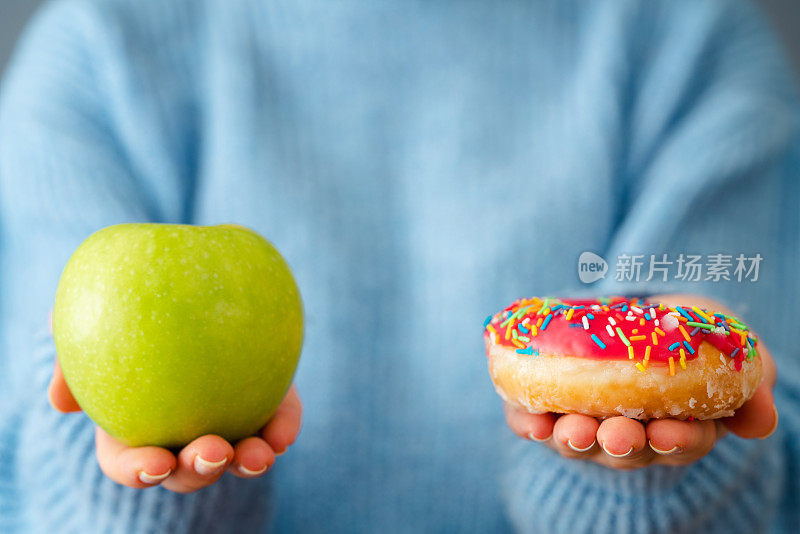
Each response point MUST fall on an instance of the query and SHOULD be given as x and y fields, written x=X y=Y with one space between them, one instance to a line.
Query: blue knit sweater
x=420 y=165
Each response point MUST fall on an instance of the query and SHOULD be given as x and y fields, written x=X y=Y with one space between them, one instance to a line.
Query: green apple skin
x=169 y=332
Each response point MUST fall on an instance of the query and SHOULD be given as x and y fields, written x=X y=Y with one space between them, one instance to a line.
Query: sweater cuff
x=64 y=490
x=735 y=488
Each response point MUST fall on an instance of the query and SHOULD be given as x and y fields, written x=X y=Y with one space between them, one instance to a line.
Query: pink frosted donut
x=618 y=356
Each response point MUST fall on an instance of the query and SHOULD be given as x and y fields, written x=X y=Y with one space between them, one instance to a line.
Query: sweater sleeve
x=66 y=170
x=709 y=167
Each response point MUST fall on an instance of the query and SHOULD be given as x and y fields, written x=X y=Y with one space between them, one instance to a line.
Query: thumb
x=59 y=394
x=757 y=418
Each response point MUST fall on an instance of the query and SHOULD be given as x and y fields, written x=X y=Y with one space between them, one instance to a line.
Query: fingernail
x=147 y=478
x=616 y=455
x=775 y=426
x=577 y=449
x=204 y=467
x=251 y=473
x=540 y=440
x=673 y=450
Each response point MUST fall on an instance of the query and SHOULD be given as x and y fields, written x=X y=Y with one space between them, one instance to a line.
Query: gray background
x=785 y=15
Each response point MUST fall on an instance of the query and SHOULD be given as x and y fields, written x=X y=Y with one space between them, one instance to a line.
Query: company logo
x=716 y=268
x=591 y=267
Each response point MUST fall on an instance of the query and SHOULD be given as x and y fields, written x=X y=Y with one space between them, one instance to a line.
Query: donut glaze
x=617 y=328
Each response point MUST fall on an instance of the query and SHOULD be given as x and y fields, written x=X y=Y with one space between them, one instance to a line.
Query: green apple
x=168 y=332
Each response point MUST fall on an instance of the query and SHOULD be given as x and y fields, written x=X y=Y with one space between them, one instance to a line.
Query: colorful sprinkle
x=684 y=333
x=684 y=313
x=623 y=338
x=596 y=340
x=702 y=315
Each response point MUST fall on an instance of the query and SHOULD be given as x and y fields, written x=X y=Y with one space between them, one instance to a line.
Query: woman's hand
x=623 y=443
x=200 y=463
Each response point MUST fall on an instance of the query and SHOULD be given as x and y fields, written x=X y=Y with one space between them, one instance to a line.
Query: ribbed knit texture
x=420 y=165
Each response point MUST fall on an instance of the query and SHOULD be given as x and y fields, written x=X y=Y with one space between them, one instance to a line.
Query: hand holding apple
x=179 y=336
x=189 y=470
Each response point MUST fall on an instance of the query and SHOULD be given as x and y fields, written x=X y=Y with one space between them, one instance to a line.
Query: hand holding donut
x=627 y=405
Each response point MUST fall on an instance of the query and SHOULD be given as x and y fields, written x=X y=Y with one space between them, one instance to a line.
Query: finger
x=679 y=442
x=623 y=440
x=252 y=457
x=283 y=428
x=575 y=436
x=770 y=373
x=533 y=426
x=200 y=464
x=59 y=394
x=757 y=418
x=136 y=467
